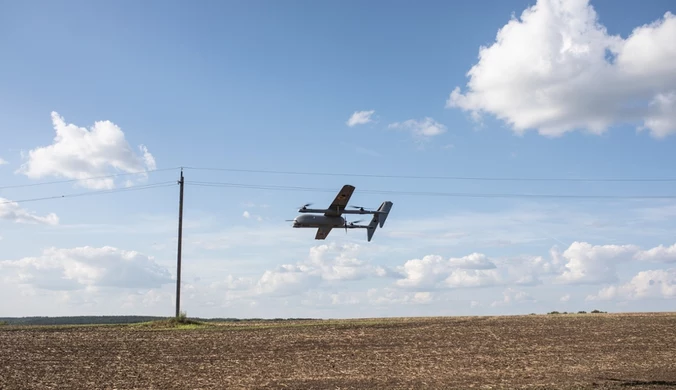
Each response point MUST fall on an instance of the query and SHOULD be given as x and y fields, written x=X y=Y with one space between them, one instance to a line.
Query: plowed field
x=610 y=351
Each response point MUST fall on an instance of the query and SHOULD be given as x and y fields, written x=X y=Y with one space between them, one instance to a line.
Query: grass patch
x=181 y=322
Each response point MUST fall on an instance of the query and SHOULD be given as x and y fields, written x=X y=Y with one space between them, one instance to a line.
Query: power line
x=413 y=193
x=474 y=178
x=86 y=178
x=315 y=189
x=135 y=188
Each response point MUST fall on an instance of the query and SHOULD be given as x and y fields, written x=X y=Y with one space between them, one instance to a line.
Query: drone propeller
x=305 y=205
x=359 y=208
x=351 y=223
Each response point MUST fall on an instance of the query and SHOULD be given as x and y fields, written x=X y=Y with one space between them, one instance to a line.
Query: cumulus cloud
x=580 y=263
x=556 y=70
x=645 y=285
x=435 y=272
x=420 y=129
x=586 y=263
x=659 y=253
x=331 y=275
x=86 y=268
x=11 y=211
x=511 y=296
x=390 y=296
x=360 y=118
x=79 y=153
x=472 y=261
x=3 y=161
x=325 y=263
x=334 y=262
x=530 y=270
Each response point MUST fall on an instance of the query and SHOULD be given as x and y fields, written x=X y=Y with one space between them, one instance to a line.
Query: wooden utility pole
x=178 y=255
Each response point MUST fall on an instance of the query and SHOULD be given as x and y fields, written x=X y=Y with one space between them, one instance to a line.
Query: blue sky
x=271 y=86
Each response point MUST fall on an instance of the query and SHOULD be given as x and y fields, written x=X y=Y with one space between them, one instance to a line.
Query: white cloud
x=435 y=272
x=330 y=280
x=360 y=118
x=557 y=70
x=530 y=270
x=86 y=268
x=344 y=299
x=3 y=161
x=645 y=285
x=658 y=254
x=511 y=296
x=588 y=263
x=340 y=262
x=78 y=153
x=389 y=296
x=420 y=129
x=13 y=212
x=325 y=263
x=473 y=261
x=580 y=263
x=148 y=299
x=286 y=279
x=248 y=215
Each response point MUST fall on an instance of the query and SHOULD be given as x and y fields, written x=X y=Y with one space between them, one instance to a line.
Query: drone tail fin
x=384 y=211
x=372 y=226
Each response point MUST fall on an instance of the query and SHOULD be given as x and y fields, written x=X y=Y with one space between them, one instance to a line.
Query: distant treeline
x=579 y=312
x=99 y=320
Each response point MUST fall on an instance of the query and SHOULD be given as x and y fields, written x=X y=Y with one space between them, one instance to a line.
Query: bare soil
x=585 y=351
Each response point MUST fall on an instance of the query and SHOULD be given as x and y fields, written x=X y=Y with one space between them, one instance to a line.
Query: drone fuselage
x=316 y=221
x=329 y=218
x=342 y=211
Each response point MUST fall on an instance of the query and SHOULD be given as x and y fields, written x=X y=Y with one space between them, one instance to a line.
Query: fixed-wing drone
x=332 y=216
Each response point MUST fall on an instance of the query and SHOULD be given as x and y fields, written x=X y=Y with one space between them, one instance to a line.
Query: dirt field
x=545 y=351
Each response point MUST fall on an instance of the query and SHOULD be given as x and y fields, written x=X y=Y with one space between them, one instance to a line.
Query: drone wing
x=340 y=202
x=322 y=232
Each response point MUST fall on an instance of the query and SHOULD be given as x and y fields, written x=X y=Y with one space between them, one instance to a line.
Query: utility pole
x=178 y=255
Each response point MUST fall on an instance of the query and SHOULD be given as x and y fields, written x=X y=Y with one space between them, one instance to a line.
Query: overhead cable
x=474 y=178
x=413 y=193
x=100 y=192
x=86 y=178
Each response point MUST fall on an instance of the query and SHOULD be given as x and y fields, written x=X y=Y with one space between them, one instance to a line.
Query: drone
x=331 y=217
